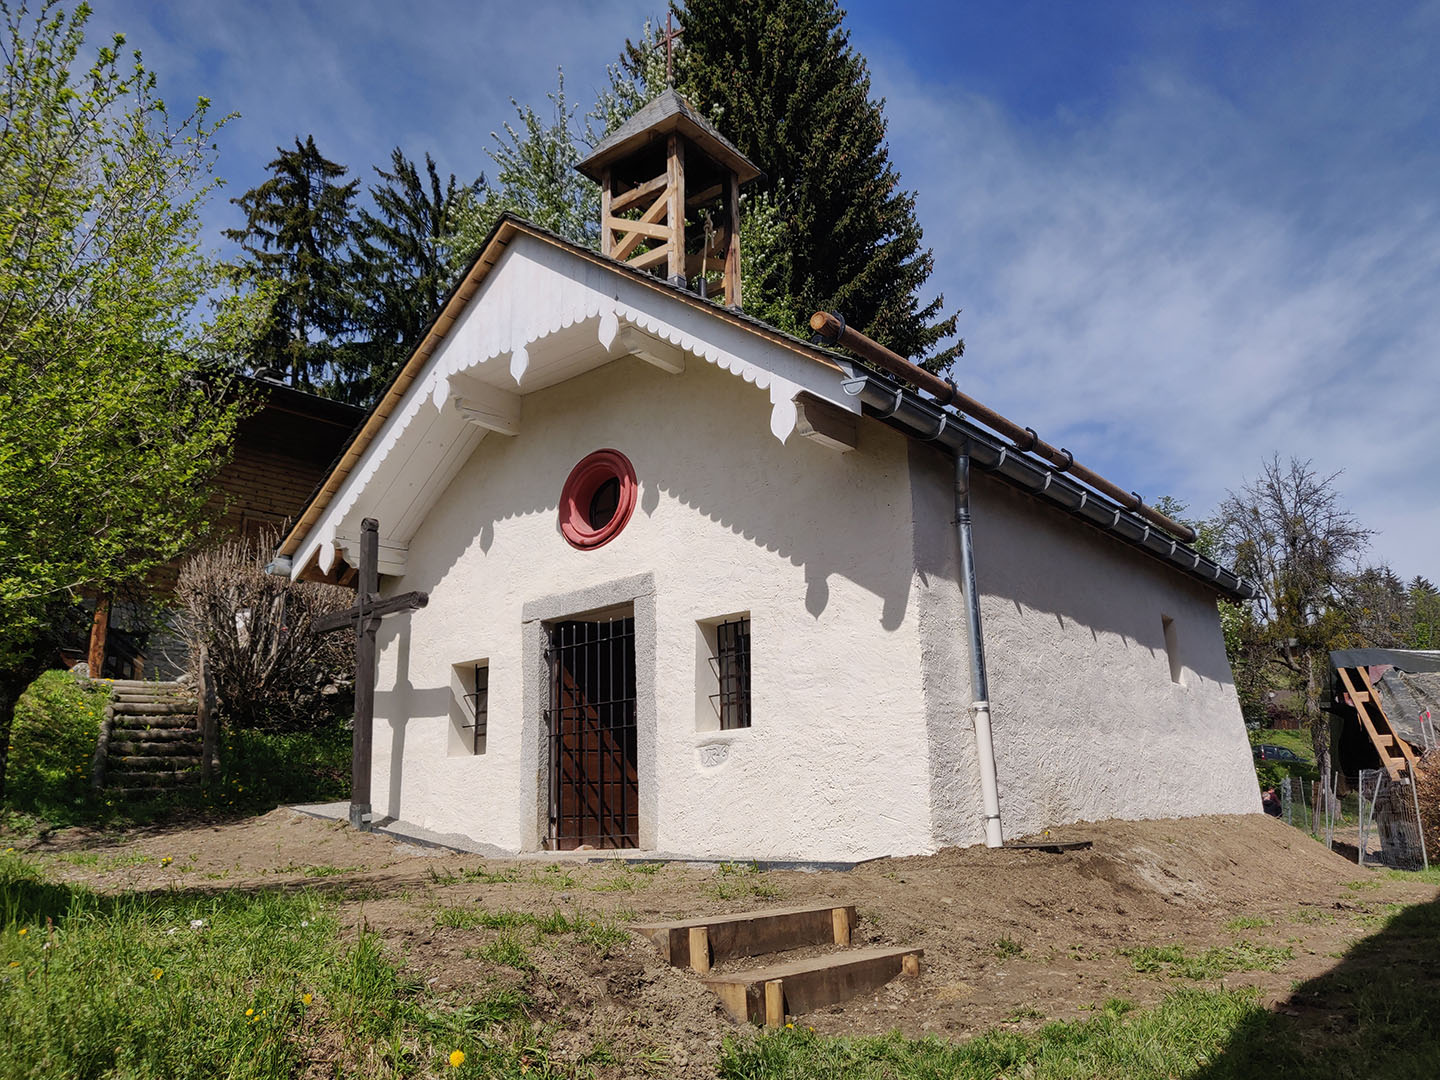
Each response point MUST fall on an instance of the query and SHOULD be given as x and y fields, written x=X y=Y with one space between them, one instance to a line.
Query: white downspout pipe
x=979 y=684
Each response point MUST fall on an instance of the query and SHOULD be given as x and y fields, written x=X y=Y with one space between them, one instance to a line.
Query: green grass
x=1425 y=877
x=1008 y=948
x=1186 y=1031
x=507 y=951
x=1175 y=961
x=234 y=985
x=737 y=881
x=598 y=931
x=1298 y=741
x=1248 y=922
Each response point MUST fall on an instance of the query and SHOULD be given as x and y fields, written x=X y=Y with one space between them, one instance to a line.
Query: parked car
x=1268 y=752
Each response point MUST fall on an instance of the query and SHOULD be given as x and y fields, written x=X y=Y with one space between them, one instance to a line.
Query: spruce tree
x=406 y=257
x=297 y=232
x=781 y=81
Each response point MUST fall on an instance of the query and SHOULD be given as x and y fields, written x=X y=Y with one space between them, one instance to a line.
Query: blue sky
x=1183 y=235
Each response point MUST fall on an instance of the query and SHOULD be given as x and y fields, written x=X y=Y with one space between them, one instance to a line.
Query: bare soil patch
x=1010 y=937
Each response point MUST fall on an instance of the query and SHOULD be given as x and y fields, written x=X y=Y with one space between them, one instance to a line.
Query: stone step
x=750 y=933
x=139 y=723
x=133 y=763
x=153 y=708
x=767 y=995
x=168 y=748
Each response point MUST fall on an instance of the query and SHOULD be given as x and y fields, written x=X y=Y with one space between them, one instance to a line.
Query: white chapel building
x=695 y=587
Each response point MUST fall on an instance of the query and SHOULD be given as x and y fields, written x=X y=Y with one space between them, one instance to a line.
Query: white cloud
x=1180 y=283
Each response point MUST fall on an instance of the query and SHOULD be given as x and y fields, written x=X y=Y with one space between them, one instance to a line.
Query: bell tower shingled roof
x=670 y=196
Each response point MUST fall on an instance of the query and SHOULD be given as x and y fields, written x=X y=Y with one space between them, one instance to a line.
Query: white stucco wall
x=815 y=545
x=1088 y=722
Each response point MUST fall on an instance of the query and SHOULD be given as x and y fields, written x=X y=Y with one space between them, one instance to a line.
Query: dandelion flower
x=14 y=963
x=306 y=999
x=155 y=973
x=167 y=860
x=24 y=930
x=789 y=1025
x=9 y=851
x=249 y=1012
x=457 y=1058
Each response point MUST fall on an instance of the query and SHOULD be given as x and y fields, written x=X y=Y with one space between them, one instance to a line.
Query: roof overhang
x=534 y=310
x=927 y=421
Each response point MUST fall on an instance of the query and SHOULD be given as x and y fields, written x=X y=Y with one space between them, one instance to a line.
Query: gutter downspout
x=979 y=683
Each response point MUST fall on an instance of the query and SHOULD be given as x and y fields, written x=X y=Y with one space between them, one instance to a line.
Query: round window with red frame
x=598 y=499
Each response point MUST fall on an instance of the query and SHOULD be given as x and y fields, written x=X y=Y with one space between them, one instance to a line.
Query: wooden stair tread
x=741 y=916
x=810 y=964
x=751 y=933
x=801 y=986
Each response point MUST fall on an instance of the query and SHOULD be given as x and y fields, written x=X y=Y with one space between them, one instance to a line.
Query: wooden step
x=153 y=708
x=767 y=995
x=133 y=763
x=142 y=723
x=168 y=748
x=182 y=734
x=750 y=933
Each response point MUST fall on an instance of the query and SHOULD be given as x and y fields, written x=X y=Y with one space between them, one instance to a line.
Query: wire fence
x=1390 y=833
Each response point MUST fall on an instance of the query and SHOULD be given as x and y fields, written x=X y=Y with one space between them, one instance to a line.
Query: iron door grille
x=594 y=782
x=732 y=672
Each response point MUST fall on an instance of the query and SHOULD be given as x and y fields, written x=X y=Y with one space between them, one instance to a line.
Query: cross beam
x=365 y=616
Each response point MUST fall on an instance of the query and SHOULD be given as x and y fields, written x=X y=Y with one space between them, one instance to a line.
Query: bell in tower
x=670 y=197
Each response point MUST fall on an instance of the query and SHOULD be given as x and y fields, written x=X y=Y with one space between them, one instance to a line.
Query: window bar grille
x=592 y=732
x=479 y=701
x=731 y=665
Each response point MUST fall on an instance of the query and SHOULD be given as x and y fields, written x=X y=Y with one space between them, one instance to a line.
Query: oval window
x=598 y=499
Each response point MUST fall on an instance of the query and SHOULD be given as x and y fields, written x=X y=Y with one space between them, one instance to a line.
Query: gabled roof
x=873 y=393
x=666 y=113
x=504 y=233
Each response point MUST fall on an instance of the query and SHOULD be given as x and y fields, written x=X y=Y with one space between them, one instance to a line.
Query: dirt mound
x=1010 y=936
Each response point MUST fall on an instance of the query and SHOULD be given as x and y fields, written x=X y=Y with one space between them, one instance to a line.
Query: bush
x=271 y=670
x=52 y=742
x=260 y=770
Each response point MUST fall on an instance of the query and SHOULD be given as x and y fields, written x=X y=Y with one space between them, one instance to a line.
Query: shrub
x=57 y=722
x=271 y=670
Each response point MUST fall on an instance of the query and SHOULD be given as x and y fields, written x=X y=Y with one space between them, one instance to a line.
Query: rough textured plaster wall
x=814 y=544
x=944 y=654
x=1088 y=723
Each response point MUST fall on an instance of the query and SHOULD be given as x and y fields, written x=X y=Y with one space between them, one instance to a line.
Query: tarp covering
x=1404 y=659
x=1405 y=697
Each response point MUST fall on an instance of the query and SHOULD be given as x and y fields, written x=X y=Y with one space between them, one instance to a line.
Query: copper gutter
x=833 y=331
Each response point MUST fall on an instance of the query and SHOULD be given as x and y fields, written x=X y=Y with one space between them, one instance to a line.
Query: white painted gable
x=542 y=315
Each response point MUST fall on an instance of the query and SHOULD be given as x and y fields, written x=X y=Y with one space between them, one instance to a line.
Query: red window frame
x=591 y=473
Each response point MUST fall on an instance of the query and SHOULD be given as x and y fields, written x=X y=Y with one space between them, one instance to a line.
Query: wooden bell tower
x=670 y=197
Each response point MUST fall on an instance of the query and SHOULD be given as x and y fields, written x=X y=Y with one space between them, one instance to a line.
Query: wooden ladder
x=1395 y=752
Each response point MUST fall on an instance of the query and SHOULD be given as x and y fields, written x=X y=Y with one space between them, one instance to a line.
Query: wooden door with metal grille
x=594 y=782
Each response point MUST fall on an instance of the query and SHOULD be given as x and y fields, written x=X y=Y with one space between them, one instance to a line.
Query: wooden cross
x=670 y=35
x=365 y=617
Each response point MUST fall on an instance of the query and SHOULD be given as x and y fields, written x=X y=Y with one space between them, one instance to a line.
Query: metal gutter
x=928 y=422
